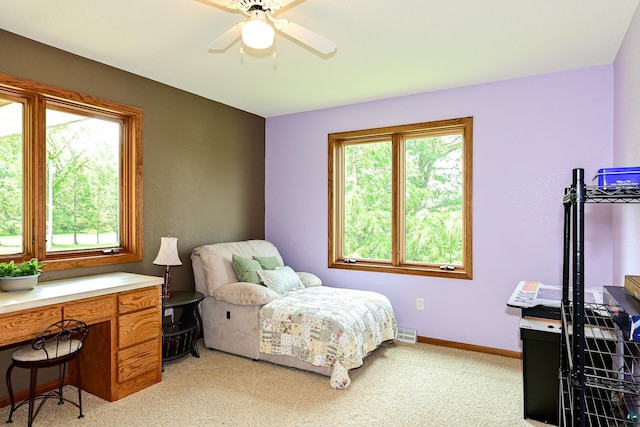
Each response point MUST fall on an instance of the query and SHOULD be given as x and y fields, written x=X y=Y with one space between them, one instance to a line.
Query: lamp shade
x=168 y=253
x=257 y=34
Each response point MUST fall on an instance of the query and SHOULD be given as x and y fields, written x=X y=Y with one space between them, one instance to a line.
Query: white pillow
x=309 y=279
x=281 y=280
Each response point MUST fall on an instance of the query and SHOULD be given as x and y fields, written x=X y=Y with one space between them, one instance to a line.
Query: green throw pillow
x=268 y=262
x=246 y=269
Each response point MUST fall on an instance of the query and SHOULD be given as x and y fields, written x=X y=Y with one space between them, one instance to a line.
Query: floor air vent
x=407 y=335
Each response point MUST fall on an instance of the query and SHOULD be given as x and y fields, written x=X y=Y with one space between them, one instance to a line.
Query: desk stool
x=58 y=344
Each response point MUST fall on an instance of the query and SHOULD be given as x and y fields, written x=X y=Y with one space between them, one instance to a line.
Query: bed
x=267 y=311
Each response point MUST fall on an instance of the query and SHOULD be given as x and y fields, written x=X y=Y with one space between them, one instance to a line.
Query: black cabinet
x=540 y=365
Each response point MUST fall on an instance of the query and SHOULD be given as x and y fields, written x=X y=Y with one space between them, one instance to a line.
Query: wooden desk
x=122 y=352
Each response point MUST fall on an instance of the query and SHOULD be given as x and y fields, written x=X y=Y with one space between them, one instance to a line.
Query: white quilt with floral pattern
x=327 y=327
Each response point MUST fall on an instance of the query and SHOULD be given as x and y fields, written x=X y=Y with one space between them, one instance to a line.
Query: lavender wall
x=626 y=150
x=528 y=135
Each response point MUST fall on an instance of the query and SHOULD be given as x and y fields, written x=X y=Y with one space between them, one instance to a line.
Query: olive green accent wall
x=204 y=162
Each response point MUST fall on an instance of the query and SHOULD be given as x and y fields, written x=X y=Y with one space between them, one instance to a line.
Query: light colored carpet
x=399 y=385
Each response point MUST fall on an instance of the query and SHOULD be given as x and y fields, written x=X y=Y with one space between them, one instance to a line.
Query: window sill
x=458 y=273
x=66 y=263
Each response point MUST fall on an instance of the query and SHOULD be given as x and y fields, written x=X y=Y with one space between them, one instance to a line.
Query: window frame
x=36 y=97
x=397 y=134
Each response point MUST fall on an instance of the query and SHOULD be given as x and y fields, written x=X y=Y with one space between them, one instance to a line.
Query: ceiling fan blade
x=229 y=4
x=306 y=36
x=276 y=5
x=227 y=39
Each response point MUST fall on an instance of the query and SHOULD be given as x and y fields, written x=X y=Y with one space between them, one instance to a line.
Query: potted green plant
x=20 y=276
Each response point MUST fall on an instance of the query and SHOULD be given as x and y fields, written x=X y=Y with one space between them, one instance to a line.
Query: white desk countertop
x=64 y=290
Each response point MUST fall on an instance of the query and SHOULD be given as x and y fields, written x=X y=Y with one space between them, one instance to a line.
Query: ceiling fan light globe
x=257 y=34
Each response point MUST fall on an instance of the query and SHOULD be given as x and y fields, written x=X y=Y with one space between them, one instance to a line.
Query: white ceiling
x=385 y=48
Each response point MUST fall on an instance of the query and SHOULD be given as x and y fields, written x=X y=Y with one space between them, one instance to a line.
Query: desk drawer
x=91 y=310
x=139 y=326
x=136 y=300
x=22 y=326
x=138 y=359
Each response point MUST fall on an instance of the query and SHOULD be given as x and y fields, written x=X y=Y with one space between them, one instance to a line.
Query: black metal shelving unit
x=600 y=369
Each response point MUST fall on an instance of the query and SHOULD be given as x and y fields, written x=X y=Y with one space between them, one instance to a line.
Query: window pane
x=83 y=182
x=433 y=199
x=367 y=201
x=11 y=181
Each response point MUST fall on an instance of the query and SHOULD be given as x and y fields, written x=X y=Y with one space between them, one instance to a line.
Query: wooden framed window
x=71 y=177
x=400 y=199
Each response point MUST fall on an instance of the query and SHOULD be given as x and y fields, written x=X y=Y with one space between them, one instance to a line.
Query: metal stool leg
x=60 y=383
x=10 y=390
x=32 y=393
x=79 y=385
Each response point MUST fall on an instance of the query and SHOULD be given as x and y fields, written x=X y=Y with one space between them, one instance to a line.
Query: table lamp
x=167 y=256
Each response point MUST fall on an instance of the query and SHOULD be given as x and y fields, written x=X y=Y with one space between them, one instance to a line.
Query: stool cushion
x=27 y=353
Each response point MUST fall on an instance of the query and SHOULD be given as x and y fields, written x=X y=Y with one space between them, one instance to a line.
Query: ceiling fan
x=258 y=31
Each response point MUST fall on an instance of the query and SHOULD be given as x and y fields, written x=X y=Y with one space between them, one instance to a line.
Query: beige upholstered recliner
x=230 y=308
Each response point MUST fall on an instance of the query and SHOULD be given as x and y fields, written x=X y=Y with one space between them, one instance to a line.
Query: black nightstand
x=179 y=336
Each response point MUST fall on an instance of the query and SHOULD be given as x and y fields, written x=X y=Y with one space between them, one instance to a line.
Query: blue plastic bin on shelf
x=618 y=177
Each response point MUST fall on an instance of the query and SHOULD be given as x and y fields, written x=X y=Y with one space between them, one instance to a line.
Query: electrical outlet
x=420 y=304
